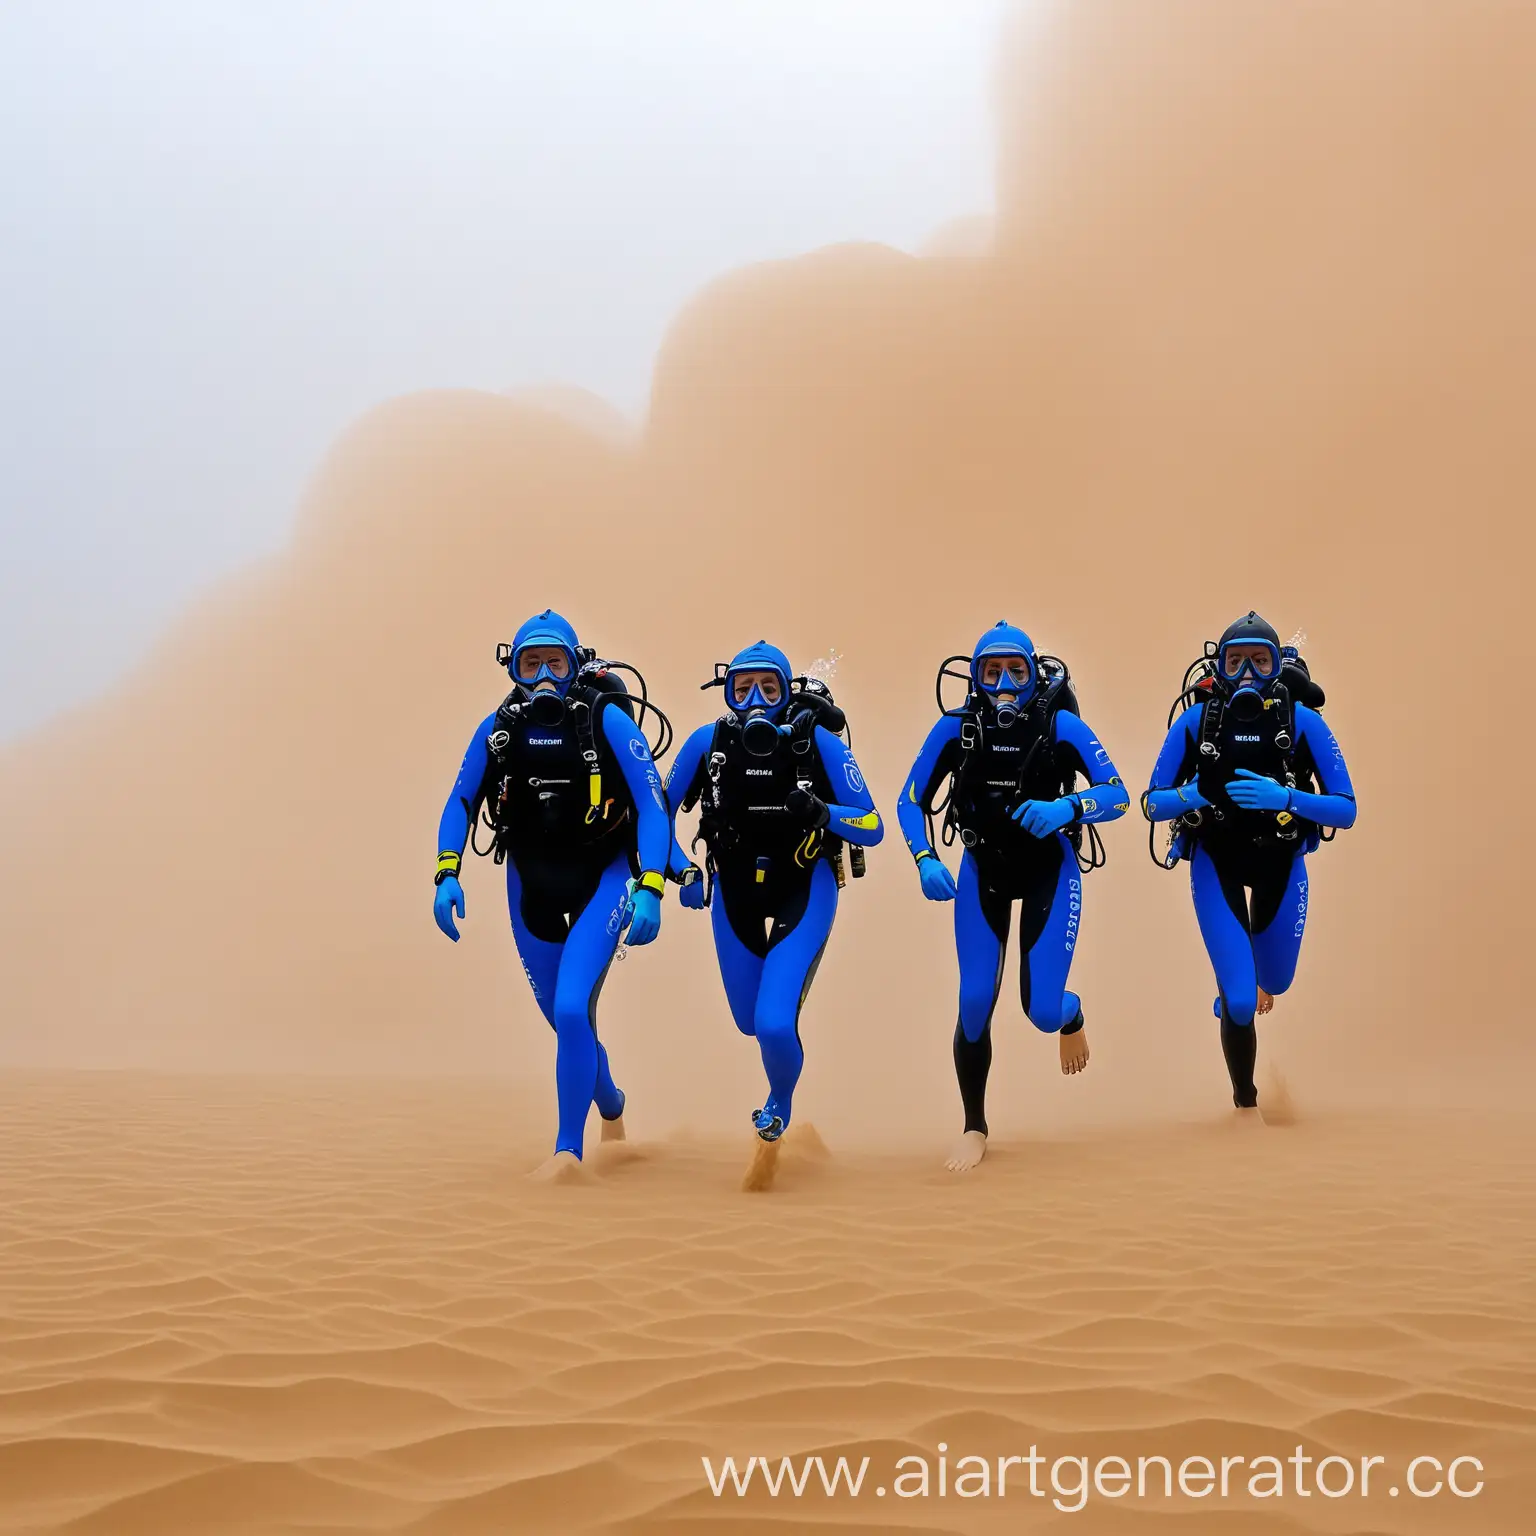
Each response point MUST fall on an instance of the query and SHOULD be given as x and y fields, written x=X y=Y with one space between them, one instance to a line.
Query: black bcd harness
x=548 y=804
x=1267 y=743
x=1038 y=774
x=719 y=786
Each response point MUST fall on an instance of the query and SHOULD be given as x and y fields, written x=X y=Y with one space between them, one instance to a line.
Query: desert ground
x=273 y=1305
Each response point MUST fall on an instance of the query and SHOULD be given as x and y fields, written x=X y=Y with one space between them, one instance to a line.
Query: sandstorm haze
x=1256 y=330
x=1252 y=325
x=230 y=229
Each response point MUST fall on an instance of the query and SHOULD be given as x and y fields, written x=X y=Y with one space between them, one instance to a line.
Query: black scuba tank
x=811 y=704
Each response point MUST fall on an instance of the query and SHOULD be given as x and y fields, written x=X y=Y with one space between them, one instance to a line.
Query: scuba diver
x=569 y=787
x=1252 y=781
x=779 y=794
x=1012 y=753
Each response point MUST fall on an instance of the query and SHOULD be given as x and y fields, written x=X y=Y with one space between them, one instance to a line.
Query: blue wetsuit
x=767 y=822
x=567 y=876
x=1234 y=851
x=1003 y=862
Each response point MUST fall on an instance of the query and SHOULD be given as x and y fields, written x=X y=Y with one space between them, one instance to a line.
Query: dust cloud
x=1252 y=326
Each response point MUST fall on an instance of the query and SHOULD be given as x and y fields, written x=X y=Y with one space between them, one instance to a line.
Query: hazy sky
x=228 y=228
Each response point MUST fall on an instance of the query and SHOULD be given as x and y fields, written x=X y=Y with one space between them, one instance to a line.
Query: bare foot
x=562 y=1168
x=969 y=1151
x=1074 y=1051
x=613 y=1130
x=1248 y=1119
x=1266 y=1002
x=763 y=1169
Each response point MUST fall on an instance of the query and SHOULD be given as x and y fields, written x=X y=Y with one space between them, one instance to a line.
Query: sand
x=277 y=1306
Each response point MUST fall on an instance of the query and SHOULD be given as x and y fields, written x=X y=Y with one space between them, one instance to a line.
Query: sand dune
x=274 y=1306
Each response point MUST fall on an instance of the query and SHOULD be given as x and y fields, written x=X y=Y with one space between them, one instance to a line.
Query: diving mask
x=1008 y=679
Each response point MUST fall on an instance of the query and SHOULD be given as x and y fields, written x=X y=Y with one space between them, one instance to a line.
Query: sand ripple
x=274 y=1307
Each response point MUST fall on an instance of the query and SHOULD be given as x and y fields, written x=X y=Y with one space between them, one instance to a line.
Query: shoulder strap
x=713 y=766
x=499 y=739
x=1046 y=706
x=1210 y=726
x=588 y=710
x=707 y=772
x=970 y=738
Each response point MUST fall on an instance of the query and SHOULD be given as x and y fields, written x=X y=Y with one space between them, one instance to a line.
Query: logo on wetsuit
x=1074 y=911
x=537 y=995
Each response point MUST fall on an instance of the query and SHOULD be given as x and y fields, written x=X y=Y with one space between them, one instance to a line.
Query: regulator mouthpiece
x=1247 y=705
x=546 y=709
x=759 y=735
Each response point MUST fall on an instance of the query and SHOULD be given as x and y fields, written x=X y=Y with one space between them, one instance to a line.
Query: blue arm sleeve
x=1172 y=790
x=681 y=774
x=1106 y=798
x=686 y=764
x=933 y=762
x=653 y=832
x=464 y=799
x=854 y=816
x=1335 y=807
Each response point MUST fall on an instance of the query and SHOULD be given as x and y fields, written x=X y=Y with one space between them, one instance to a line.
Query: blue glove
x=1040 y=818
x=1254 y=792
x=643 y=917
x=693 y=894
x=938 y=883
x=449 y=899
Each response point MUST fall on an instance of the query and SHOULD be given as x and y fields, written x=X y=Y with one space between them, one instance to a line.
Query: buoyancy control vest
x=744 y=818
x=553 y=784
x=1267 y=743
x=1003 y=765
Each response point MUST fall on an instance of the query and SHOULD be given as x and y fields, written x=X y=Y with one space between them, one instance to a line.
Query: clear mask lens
x=769 y=689
x=1005 y=673
x=537 y=661
x=1257 y=662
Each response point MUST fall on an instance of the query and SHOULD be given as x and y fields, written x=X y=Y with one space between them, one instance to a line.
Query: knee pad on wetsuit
x=1240 y=1010
x=1053 y=1023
